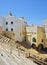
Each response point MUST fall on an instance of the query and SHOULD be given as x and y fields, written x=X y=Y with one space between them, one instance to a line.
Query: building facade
x=36 y=35
x=20 y=30
x=15 y=25
x=31 y=34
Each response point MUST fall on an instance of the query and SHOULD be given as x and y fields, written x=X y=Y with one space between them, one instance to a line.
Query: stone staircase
x=12 y=58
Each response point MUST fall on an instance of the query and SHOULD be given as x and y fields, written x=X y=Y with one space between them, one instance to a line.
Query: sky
x=34 y=11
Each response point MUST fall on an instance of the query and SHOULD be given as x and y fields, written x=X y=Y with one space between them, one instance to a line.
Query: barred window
x=11 y=29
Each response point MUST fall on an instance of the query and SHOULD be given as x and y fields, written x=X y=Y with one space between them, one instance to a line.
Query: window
x=11 y=22
x=34 y=39
x=6 y=23
x=42 y=40
x=6 y=29
x=11 y=29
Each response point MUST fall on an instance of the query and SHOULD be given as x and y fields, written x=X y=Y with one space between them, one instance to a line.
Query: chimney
x=10 y=14
x=22 y=17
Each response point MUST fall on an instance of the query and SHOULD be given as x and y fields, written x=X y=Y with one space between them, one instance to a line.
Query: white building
x=15 y=25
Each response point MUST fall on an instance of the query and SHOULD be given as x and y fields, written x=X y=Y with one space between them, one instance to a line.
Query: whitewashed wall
x=18 y=25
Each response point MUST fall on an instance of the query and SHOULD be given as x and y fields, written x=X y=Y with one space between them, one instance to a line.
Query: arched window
x=6 y=29
x=11 y=22
x=34 y=39
x=11 y=29
x=42 y=40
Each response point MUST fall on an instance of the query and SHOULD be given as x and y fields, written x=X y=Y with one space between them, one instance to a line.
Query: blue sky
x=34 y=11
